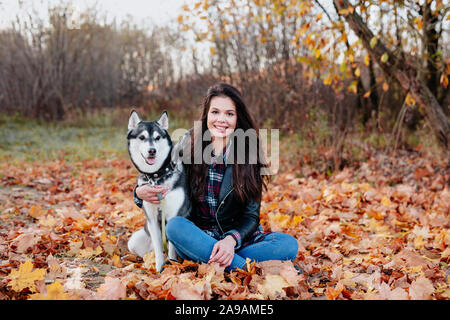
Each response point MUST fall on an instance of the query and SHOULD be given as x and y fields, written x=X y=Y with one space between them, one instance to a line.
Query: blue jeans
x=192 y=243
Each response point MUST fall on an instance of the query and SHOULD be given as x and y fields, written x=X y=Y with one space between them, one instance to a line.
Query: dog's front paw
x=159 y=264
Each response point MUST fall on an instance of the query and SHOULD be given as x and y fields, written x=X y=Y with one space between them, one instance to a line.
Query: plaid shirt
x=209 y=203
x=208 y=206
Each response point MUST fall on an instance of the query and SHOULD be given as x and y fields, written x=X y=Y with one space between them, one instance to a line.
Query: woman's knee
x=176 y=227
x=289 y=245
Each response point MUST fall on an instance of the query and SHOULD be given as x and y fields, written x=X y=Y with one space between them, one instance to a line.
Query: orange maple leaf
x=333 y=293
x=36 y=211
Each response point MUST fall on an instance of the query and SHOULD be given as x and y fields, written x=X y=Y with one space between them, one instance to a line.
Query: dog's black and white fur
x=153 y=154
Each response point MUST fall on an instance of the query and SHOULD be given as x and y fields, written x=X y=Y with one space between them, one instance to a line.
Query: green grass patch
x=100 y=136
x=30 y=140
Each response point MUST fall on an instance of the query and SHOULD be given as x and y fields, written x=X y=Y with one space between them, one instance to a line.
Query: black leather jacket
x=231 y=215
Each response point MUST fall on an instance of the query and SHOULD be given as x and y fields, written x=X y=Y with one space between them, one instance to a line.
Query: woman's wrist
x=231 y=239
x=138 y=190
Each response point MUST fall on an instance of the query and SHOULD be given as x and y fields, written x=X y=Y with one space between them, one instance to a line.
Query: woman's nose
x=221 y=117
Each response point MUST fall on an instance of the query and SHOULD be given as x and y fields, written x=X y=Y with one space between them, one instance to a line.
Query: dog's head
x=149 y=143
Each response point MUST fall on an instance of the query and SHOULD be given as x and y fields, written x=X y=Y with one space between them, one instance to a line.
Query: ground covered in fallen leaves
x=376 y=231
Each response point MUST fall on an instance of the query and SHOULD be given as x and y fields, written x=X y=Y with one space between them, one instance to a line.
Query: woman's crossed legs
x=192 y=243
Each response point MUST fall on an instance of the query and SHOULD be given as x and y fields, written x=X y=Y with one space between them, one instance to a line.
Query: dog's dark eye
x=157 y=138
x=142 y=138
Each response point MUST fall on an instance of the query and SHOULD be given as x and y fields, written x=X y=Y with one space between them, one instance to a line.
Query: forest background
x=358 y=89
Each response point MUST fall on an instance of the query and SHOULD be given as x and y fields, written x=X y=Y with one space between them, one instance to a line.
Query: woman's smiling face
x=222 y=117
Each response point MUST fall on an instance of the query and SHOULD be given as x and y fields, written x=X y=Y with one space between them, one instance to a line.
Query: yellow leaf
x=444 y=80
x=89 y=252
x=116 y=261
x=205 y=5
x=367 y=60
x=384 y=57
x=250 y=264
x=212 y=50
x=367 y=94
x=309 y=211
x=353 y=87
x=279 y=220
x=373 y=42
x=36 y=211
x=296 y=220
x=385 y=86
x=419 y=242
x=54 y=292
x=385 y=202
x=351 y=58
x=418 y=22
x=357 y=72
x=317 y=54
x=304 y=28
x=328 y=80
x=25 y=277
x=409 y=100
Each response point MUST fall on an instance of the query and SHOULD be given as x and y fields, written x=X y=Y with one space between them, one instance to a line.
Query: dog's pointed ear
x=134 y=120
x=164 y=120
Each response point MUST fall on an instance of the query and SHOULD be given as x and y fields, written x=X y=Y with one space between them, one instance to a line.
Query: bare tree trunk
x=432 y=55
x=404 y=72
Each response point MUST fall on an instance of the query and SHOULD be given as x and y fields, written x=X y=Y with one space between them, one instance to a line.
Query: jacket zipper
x=220 y=205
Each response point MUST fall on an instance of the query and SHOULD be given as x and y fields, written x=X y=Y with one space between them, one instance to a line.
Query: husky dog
x=153 y=154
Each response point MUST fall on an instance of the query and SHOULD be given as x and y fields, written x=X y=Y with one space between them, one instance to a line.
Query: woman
x=224 y=224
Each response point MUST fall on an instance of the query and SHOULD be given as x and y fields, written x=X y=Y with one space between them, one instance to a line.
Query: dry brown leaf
x=111 y=289
x=421 y=289
x=272 y=287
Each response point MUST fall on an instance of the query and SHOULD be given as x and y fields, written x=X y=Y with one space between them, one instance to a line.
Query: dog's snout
x=152 y=151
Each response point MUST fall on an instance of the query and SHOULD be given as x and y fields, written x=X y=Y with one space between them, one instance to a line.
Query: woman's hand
x=148 y=193
x=223 y=251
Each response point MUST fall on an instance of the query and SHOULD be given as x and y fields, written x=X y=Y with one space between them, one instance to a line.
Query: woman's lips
x=221 y=128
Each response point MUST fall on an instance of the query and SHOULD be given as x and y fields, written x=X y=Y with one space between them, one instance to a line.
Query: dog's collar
x=162 y=171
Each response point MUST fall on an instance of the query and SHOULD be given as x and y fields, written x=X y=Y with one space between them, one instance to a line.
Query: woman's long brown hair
x=248 y=182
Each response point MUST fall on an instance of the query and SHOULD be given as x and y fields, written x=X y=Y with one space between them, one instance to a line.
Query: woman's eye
x=214 y=112
x=142 y=138
x=230 y=114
